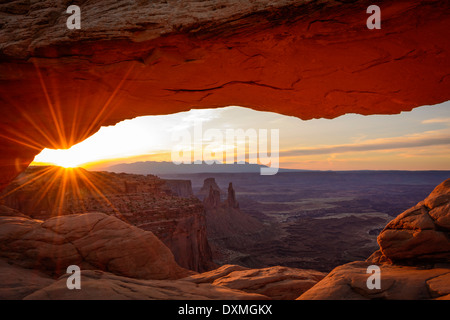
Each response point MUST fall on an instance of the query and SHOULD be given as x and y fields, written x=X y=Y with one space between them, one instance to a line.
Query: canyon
x=308 y=220
x=229 y=230
x=412 y=254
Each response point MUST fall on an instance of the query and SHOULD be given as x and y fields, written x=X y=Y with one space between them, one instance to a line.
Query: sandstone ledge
x=348 y=282
x=278 y=283
x=421 y=234
x=98 y=285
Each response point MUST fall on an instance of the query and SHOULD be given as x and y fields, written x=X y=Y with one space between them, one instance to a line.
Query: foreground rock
x=230 y=282
x=348 y=282
x=98 y=285
x=280 y=283
x=420 y=234
x=91 y=241
x=10 y=212
x=16 y=282
x=414 y=258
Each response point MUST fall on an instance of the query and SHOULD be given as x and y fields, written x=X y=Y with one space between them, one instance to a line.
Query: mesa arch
x=306 y=58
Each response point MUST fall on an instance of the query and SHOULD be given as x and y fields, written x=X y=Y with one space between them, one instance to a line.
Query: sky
x=415 y=140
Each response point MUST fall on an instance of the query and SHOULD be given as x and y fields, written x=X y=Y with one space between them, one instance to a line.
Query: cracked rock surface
x=99 y=285
x=348 y=282
x=422 y=233
x=277 y=282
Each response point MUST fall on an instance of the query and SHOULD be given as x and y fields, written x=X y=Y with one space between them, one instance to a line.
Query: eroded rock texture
x=17 y=282
x=229 y=230
x=348 y=282
x=278 y=283
x=99 y=285
x=420 y=234
x=91 y=241
x=307 y=59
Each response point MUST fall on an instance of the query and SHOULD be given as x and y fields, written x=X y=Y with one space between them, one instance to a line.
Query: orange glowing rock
x=304 y=59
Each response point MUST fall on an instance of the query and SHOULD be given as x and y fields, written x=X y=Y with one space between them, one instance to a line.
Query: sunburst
x=63 y=186
x=64 y=126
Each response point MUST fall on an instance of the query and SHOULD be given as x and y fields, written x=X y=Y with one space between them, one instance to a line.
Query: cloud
x=436 y=120
x=431 y=138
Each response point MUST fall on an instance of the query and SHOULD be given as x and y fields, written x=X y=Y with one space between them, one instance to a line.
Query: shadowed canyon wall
x=307 y=59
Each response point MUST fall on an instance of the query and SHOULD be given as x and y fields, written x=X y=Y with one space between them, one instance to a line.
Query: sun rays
x=61 y=187
x=61 y=190
x=67 y=121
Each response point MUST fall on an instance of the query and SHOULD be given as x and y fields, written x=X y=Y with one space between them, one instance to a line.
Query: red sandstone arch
x=308 y=59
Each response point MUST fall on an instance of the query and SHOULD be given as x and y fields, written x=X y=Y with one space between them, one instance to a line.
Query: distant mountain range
x=165 y=167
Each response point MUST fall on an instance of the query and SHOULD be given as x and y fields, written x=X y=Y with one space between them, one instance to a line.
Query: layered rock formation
x=306 y=58
x=183 y=230
x=278 y=283
x=231 y=199
x=348 y=282
x=229 y=229
x=180 y=188
x=213 y=198
x=414 y=257
x=44 y=192
x=91 y=241
x=228 y=282
x=208 y=184
x=143 y=201
x=224 y=218
x=98 y=285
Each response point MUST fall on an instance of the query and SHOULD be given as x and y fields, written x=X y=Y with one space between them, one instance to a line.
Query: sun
x=60 y=158
x=67 y=164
